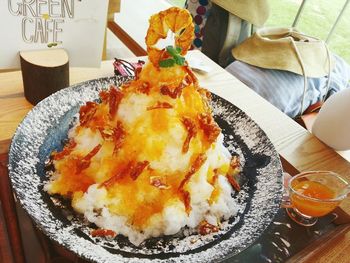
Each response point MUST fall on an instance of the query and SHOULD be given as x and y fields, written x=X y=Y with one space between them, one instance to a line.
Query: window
x=316 y=19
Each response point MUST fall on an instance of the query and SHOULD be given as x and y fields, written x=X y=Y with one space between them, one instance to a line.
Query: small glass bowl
x=314 y=194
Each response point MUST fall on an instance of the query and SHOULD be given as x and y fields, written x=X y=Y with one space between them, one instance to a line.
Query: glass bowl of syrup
x=314 y=194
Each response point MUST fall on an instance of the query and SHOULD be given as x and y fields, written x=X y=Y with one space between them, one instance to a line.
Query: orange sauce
x=70 y=181
x=193 y=100
x=315 y=208
x=214 y=195
x=160 y=120
x=139 y=200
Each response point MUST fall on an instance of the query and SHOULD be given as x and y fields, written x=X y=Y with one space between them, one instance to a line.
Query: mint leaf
x=172 y=51
x=179 y=60
x=167 y=63
x=175 y=53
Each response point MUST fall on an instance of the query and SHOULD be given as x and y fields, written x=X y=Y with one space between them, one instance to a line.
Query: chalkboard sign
x=78 y=26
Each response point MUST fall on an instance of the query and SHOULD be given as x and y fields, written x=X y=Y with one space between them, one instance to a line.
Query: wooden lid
x=45 y=58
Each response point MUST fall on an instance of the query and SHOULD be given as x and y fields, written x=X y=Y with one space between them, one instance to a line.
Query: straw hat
x=253 y=11
x=285 y=49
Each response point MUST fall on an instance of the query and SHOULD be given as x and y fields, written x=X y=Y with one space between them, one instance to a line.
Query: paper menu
x=78 y=26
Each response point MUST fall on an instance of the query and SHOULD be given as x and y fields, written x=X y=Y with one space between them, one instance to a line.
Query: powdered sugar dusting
x=46 y=126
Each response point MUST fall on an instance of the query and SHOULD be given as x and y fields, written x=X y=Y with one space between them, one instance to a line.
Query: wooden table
x=298 y=149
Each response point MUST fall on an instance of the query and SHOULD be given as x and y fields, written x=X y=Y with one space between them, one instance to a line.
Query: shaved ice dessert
x=148 y=160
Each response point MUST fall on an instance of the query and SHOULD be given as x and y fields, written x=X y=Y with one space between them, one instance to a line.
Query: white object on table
x=332 y=125
x=197 y=64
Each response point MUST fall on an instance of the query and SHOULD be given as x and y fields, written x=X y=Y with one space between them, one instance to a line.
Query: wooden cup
x=44 y=72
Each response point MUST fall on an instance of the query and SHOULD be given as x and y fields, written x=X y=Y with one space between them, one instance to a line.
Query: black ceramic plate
x=45 y=128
